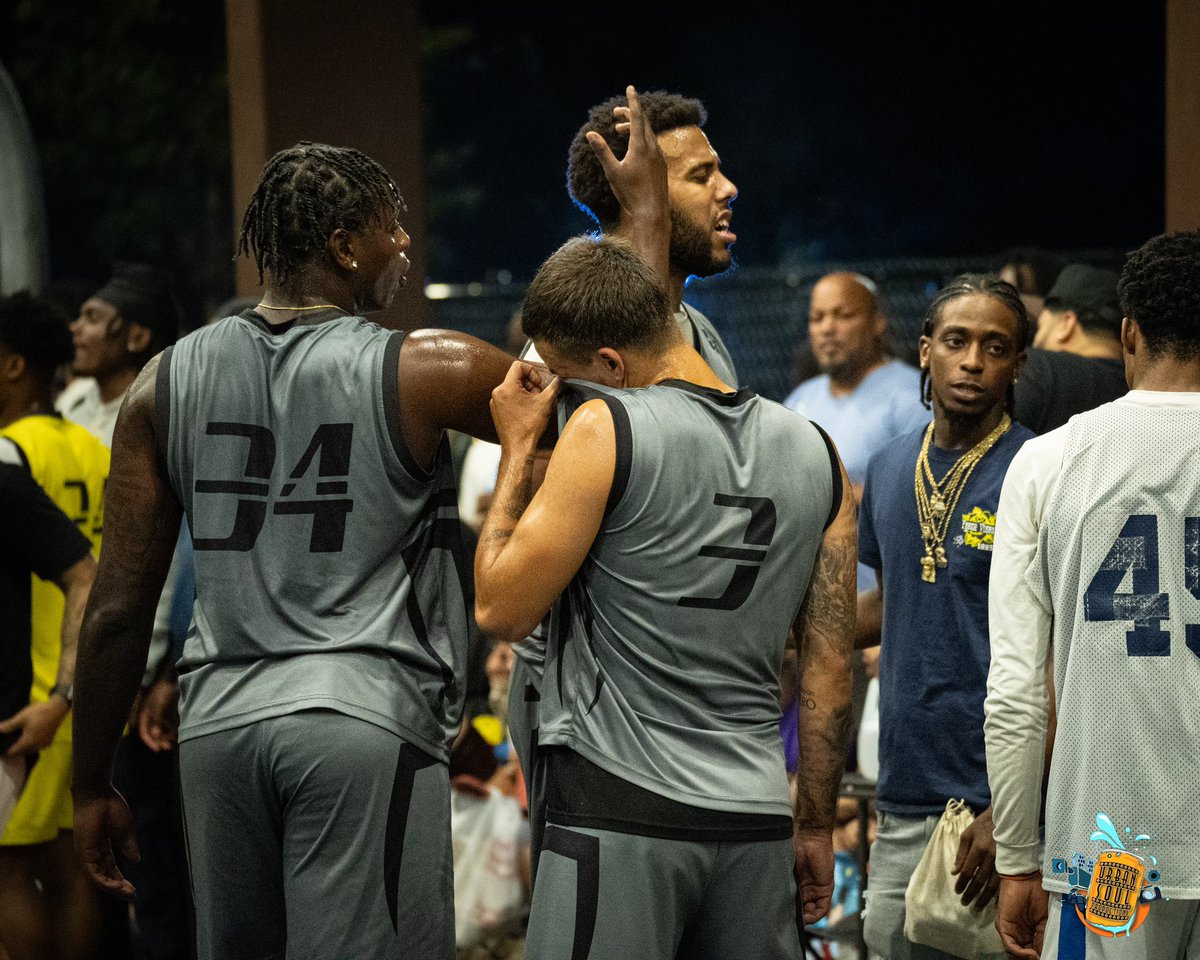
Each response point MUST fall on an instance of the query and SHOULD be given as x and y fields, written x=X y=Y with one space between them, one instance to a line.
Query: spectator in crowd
x=44 y=895
x=1075 y=363
x=39 y=539
x=1111 y=498
x=862 y=398
x=927 y=524
x=1033 y=272
x=119 y=328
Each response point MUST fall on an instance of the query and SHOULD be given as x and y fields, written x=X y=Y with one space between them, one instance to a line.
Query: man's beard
x=691 y=249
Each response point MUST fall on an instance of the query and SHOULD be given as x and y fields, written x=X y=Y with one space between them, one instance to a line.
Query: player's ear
x=613 y=366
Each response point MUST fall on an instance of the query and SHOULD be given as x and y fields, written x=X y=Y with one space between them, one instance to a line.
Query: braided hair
x=968 y=284
x=305 y=193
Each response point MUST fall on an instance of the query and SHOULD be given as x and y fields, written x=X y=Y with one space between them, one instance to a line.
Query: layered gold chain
x=935 y=505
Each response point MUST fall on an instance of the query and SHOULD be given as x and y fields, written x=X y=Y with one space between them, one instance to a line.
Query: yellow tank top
x=72 y=467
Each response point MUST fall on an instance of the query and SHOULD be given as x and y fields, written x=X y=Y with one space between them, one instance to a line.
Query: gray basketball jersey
x=329 y=564
x=1119 y=559
x=697 y=330
x=664 y=654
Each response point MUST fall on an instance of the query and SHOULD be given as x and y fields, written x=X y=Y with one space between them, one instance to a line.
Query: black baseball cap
x=1089 y=289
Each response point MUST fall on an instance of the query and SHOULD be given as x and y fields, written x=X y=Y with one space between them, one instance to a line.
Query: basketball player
x=700 y=197
x=1098 y=560
x=323 y=680
x=667 y=802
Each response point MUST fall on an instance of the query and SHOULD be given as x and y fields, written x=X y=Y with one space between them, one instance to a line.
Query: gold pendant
x=941 y=556
x=928 y=571
x=926 y=532
x=937 y=506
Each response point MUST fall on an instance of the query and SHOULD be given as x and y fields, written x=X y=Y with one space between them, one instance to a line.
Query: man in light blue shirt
x=862 y=399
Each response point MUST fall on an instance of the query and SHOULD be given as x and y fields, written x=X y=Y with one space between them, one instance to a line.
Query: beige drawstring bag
x=934 y=914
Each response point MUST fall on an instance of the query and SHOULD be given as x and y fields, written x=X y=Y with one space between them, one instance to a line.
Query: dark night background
x=852 y=131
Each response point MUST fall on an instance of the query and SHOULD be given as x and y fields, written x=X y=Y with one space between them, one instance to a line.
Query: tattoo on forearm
x=825 y=651
x=522 y=494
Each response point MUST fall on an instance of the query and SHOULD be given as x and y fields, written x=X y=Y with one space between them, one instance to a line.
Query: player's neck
x=951 y=432
x=114 y=385
x=1167 y=375
x=681 y=362
x=675 y=290
x=307 y=289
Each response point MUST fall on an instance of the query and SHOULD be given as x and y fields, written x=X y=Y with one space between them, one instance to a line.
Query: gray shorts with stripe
x=604 y=895
x=318 y=835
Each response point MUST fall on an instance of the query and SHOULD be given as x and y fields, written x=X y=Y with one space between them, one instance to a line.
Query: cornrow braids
x=965 y=285
x=305 y=193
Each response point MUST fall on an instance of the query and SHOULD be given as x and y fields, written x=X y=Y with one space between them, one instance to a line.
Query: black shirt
x=1055 y=385
x=38 y=538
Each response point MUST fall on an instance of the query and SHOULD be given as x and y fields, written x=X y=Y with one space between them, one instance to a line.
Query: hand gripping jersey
x=664 y=653
x=329 y=564
x=1119 y=560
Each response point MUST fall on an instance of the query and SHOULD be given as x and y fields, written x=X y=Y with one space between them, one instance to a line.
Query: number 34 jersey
x=329 y=564
x=664 y=653
x=1119 y=560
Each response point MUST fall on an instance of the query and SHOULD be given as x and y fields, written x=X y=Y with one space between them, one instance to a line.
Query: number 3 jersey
x=664 y=653
x=1119 y=560
x=329 y=564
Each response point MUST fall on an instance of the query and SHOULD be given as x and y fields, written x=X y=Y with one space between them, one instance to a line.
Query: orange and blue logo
x=1112 y=893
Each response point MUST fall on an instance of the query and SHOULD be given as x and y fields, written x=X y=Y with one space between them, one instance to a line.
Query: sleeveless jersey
x=664 y=653
x=697 y=330
x=71 y=466
x=1119 y=559
x=329 y=564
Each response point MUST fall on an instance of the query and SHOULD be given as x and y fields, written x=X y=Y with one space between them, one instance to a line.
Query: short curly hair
x=586 y=182
x=1160 y=289
x=36 y=329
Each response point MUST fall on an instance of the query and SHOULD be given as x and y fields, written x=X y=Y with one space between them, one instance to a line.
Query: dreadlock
x=305 y=193
x=964 y=285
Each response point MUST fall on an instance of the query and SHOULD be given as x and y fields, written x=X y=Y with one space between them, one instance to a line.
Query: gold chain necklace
x=319 y=306
x=935 y=506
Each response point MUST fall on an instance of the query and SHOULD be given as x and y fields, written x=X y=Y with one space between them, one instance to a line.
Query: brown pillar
x=340 y=73
x=1183 y=115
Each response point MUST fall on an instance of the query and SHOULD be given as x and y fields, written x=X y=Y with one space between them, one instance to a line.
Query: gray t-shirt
x=329 y=563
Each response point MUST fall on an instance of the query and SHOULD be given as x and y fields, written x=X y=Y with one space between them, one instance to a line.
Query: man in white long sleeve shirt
x=1097 y=561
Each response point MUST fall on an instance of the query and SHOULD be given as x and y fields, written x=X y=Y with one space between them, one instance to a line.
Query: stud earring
x=354 y=264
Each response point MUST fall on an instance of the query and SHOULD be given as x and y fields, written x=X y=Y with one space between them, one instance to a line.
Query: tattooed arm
x=824 y=632
x=532 y=543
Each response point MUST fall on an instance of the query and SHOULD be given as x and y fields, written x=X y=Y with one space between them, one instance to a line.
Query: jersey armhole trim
x=837 y=478
x=391 y=409
x=162 y=412
x=22 y=460
x=624 y=462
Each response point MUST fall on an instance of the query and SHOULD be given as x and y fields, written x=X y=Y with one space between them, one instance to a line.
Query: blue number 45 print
x=1136 y=549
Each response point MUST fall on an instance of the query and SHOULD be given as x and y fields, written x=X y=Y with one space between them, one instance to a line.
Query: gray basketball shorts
x=317 y=835
x=604 y=895
x=523 y=700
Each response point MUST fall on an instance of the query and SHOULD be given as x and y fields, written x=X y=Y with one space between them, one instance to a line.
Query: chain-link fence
x=761 y=314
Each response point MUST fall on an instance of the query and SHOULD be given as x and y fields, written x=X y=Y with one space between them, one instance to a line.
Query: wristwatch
x=66 y=691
